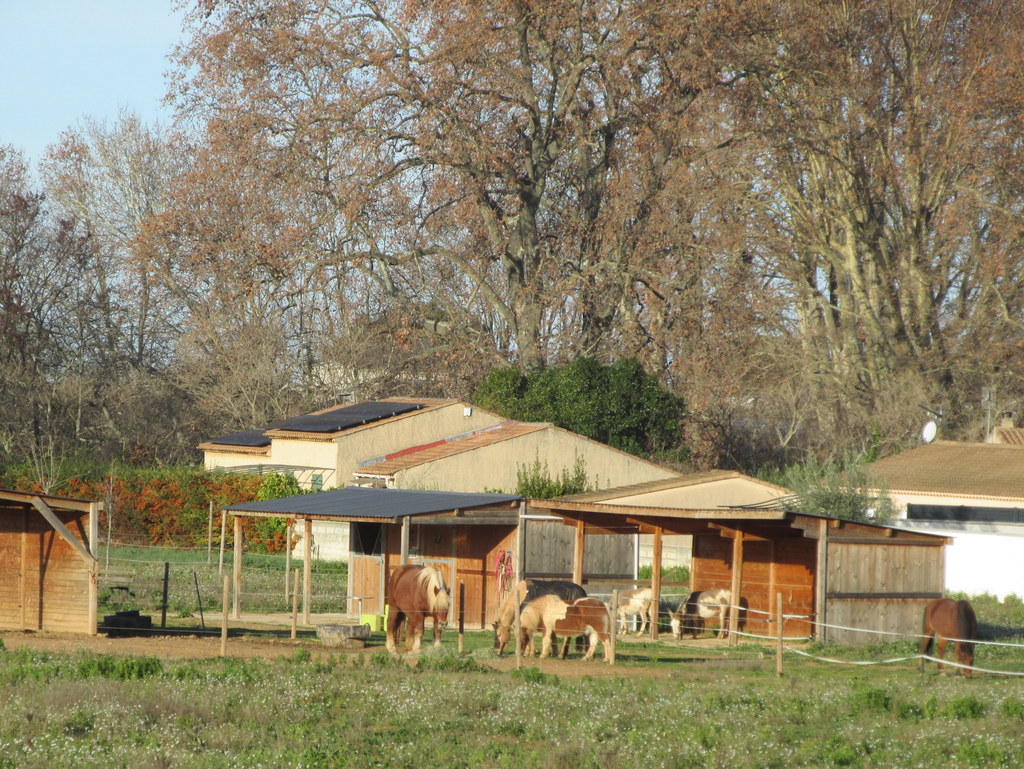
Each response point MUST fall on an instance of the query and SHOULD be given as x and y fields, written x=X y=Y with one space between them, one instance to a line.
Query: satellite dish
x=928 y=431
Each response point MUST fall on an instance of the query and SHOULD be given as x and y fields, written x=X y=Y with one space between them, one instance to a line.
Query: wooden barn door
x=366 y=569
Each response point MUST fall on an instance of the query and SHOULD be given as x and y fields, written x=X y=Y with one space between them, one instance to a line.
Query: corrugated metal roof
x=354 y=502
x=663 y=484
x=433 y=452
x=947 y=467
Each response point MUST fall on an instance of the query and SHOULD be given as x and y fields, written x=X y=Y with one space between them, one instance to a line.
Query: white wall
x=983 y=558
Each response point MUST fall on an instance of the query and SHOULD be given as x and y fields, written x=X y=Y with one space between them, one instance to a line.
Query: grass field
x=670 y=705
x=195 y=581
x=453 y=711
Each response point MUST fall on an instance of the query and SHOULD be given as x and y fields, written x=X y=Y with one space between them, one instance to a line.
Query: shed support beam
x=307 y=568
x=520 y=545
x=656 y=582
x=405 y=539
x=737 y=582
x=61 y=529
x=821 y=583
x=94 y=569
x=236 y=602
x=578 y=553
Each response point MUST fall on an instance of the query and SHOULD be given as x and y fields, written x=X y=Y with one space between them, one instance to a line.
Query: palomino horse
x=551 y=615
x=950 y=620
x=638 y=602
x=701 y=605
x=413 y=593
x=527 y=590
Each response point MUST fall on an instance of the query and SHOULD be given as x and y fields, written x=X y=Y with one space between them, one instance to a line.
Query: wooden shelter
x=839 y=580
x=48 y=568
x=464 y=534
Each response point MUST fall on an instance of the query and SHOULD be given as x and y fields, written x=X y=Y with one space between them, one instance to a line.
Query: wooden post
x=224 y=617
x=209 y=536
x=737 y=582
x=223 y=536
x=613 y=611
x=520 y=573
x=519 y=637
x=821 y=582
x=578 y=553
x=405 y=538
x=655 y=583
x=163 y=605
x=295 y=604
x=94 y=568
x=287 y=557
x=307 y=569
x=238 y=568
x=778 y=645
x=520 y=546
x=462 y=616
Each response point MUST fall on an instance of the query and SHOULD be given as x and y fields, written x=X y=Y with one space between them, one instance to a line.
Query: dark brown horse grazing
x=413 y=593
x=950 y=620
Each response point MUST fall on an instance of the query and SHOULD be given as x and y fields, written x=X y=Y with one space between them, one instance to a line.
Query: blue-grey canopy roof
x=356 y=503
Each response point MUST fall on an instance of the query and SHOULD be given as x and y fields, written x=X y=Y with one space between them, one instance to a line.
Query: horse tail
x=437 y=592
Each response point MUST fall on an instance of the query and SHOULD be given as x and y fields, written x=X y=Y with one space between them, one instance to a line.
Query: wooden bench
x=119 y=580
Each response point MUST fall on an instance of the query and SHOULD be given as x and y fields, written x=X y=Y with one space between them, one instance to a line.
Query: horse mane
x=437 y=593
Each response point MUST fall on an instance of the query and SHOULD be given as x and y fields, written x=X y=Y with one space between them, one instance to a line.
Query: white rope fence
x=892 y=660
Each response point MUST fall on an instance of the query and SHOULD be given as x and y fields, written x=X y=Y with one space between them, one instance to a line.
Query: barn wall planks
x=880 y=586
x=44 y=582
x=877 y=581
x=549 y=548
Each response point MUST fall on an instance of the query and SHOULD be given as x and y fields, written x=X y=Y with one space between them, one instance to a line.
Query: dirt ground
x=269 y=642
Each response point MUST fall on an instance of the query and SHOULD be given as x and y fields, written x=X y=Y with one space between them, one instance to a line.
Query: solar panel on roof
x=253 y=438
x=348 y=416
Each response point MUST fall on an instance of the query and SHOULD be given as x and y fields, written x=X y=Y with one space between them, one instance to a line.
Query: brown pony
x=527 y=590
x=413 y=593
x=950 y=620
x=551 y=615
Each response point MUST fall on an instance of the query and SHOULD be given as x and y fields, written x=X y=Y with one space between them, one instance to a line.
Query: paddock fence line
x=132 y=578
x=893 y=660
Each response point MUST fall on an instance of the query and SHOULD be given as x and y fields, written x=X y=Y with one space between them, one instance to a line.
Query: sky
x=64 y=60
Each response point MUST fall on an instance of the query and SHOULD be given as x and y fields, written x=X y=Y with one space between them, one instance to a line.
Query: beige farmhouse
x=417 y=443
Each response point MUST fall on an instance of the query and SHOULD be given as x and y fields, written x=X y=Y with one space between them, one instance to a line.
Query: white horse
x=636 y=603
x=701 y=605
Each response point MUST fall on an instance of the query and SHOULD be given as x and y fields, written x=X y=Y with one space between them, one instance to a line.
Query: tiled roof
x=432 y=452
x=1011 y=435
x=962 y=469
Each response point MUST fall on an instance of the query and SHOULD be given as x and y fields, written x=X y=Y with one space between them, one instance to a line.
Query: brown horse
x=950 y=620
x=551 y=615
x=413 y=593
x=527 y=590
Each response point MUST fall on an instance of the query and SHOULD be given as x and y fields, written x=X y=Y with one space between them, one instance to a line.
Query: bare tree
x=497 y=165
